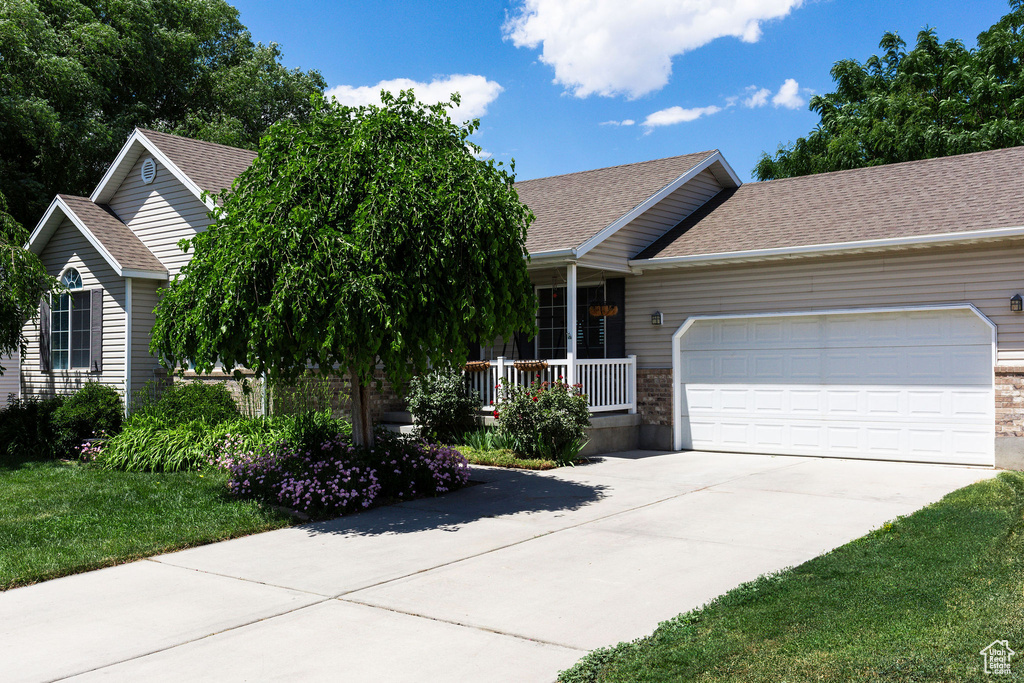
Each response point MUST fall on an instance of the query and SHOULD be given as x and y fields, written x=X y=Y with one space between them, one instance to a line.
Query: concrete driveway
x=512 y=579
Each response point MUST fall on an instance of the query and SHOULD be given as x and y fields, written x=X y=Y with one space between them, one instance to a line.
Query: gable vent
x=148 y=170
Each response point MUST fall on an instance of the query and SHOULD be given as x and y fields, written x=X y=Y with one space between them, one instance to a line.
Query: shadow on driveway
x=490 y=494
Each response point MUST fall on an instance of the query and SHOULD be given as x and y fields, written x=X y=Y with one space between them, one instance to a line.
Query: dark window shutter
x=96 y=333
x=615 y=342
x=524 y=345
x=44 y=336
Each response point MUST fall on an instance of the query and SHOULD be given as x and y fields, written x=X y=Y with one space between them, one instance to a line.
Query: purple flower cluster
x=338 y=477
x=90 y=449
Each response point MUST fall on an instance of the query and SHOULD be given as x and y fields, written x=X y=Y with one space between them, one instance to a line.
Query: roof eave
x=640 y=265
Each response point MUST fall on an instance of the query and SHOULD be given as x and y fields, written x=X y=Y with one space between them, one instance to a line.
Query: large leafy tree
x=76 y=76
x=935 y=100
x=23 y=281
x=360 y=236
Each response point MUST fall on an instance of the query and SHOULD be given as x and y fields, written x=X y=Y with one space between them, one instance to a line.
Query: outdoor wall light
x=1016 y=303
x=656 y=317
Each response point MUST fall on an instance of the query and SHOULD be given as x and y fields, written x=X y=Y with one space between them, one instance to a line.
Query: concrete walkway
x=509 y=580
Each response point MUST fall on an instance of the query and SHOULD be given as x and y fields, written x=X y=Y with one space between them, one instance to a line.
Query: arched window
x=70 y=324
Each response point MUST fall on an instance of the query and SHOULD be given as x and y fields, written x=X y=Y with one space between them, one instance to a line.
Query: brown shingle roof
x=935 y=196
x=116 y=237
x=211 y=166
x=572 y=208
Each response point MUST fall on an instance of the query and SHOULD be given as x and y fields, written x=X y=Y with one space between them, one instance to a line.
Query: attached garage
x=891 y=384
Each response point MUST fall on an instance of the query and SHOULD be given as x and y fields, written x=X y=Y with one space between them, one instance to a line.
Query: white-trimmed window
x=71 y=325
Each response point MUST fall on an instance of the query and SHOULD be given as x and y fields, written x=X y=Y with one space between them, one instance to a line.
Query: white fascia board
x=553 y=256
x=146 y=274
x=825 y=249
x=715 y=157
x=38 y=240
x=105 y=190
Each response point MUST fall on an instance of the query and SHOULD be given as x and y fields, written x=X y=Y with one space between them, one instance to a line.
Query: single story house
x=871 y=313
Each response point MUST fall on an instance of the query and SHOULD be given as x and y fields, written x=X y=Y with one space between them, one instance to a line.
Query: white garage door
x=895 y=385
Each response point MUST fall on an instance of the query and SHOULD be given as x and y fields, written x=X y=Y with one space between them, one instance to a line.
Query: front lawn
x=61 y=517
x=913 y=601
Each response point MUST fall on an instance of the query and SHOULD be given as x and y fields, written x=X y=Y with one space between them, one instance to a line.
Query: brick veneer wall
x=1010 y=401
x=654 y=396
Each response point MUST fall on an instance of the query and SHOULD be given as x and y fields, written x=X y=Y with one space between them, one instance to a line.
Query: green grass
x=499 y=457
x=913 y=601
x=59 y=518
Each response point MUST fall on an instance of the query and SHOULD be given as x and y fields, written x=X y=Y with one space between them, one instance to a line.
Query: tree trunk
x=362 y=425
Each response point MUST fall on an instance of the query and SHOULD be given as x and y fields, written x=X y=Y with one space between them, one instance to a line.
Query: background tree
x=360 y=235
x=936 y=100
x=76 y=76
x=23 y=282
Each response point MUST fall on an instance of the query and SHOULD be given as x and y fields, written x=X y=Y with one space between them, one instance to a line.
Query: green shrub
x=443 y=404
x=94 y=410
x=26 y=430
x=544 y=420
x=180 y=404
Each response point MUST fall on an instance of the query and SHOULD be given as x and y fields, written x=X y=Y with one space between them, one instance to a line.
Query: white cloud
x=789 y=95
x=674 y=115
x=483 y=155
x=624 y=122
x=611 y=47
x=476 y=91
x=757 y=98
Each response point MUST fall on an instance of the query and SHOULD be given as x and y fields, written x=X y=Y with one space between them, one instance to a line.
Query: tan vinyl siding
x=144 y=364
x=9 y=381
x=69 y=249
x=161 y=213
x=984 y=276
x=613 y=252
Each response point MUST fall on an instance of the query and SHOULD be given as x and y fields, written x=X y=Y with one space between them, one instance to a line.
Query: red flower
x=495 y=414
x=535 y=399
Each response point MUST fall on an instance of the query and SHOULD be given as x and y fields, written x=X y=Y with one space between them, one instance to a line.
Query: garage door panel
x=894 y=385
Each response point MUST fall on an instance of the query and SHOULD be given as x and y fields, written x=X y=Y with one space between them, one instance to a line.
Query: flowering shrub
x=338 y=477
x=544 y=420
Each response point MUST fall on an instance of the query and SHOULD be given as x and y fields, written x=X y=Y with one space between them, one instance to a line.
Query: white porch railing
x=609 y=383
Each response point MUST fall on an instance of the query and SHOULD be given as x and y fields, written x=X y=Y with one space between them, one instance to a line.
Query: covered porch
x=580 y=340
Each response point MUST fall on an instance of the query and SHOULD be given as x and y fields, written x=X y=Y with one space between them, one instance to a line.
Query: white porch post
x=570 y=322
x=127 y=346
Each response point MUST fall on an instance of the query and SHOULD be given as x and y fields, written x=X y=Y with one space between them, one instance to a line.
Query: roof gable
x=111 y=238
x=964 y=196
x=199 y=166
x=577 y=211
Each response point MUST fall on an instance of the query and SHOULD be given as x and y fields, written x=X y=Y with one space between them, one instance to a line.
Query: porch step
x=399 y=428
x=403 y=417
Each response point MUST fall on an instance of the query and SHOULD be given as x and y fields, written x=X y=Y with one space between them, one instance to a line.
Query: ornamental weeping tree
x=360 y=236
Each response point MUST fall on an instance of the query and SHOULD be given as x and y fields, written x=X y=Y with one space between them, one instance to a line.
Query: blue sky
x=553 y=81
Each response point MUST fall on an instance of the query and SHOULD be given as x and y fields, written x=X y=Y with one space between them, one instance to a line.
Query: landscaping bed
x=916 y=600
x=185 y=469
